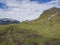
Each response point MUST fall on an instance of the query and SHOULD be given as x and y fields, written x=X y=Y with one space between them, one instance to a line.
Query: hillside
x=49 y=15
x=43 y=31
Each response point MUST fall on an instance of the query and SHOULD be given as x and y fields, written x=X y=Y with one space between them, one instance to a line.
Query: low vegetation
x=36 y=32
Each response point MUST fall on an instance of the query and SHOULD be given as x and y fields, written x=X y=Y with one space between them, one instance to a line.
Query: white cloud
x=22 y=10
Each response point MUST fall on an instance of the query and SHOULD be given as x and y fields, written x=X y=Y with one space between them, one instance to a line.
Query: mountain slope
x=43 y=31
x=50 y=16
x=48 y=24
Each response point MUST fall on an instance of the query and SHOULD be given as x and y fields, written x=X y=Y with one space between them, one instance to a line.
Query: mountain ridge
x=8 y=21
x=49 y=15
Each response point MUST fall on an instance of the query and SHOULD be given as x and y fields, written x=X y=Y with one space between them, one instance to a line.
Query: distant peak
x=8 y=21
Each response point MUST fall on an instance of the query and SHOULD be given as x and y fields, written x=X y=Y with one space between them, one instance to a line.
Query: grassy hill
x=43 y=31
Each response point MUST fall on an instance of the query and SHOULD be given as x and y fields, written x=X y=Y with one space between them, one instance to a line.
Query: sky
x=25 y=9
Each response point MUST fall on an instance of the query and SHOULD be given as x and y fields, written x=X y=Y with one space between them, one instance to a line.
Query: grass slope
x=37 y=32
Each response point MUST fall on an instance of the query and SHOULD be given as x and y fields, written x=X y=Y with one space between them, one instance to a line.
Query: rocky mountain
x=8 y=21
x=51 y=15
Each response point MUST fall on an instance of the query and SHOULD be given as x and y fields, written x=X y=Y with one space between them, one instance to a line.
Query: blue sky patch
x=3 y=6
x=41 y=1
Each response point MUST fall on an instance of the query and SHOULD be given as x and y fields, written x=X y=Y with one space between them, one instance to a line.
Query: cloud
x=25 y=9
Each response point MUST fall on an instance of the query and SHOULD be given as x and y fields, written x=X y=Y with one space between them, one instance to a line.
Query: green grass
x=46 y=31
x=36 y=32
